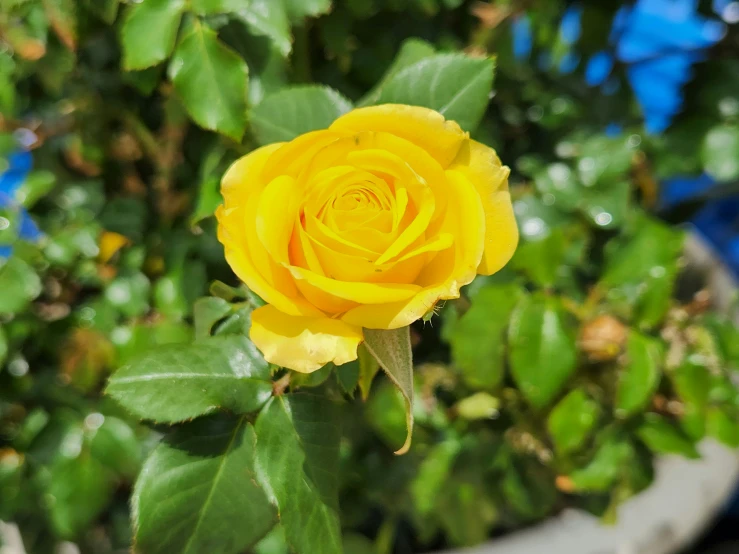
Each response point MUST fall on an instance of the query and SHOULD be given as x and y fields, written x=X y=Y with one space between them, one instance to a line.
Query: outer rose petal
x=421 y=126
x=303 y=344
x=243 y=177
x=481 y=165
x=240 y=187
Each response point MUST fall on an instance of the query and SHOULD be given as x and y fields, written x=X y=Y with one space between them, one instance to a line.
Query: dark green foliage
x=139 y=107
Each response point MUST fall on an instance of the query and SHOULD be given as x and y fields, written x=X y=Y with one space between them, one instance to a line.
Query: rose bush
x=555 y=383
x=368 y=223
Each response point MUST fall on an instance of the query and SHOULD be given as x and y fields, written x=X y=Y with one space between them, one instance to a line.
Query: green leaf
x=273 y=543
x=238 y=323
x=313 y=379
x=177 y=382
x=198 y=493
x=207 y=312
x=7 y=87
x=3 y=346
x=116 y=446
x=209 y=193
x=19 y=284
x=541 y=260
x=132 y=340
x=298 y=10
x=720 y=152
x=543 y=354
x=348 y=376
x=692 y=383
x=129 y=294
x=726 y=334
x=610 y=460
x=268 y=68
x=528 y=487
x=81 y=488
x=432 y=474
x=640 y=271
x=480 y=405
x=211 y=79
x=661 y=437
x=212 y=7
x=168 y=298
x=561 y=183
x=284 y=115
x=145 y=81
x=572 y=420
x=149 y=32
x=639 y=378
x=354 y=543
x=392 y=350
x=722 y=426
x=674 y=151
x=37 y=185
x=603 y=160
x=368 y=368
x=411 y=51
x=297 y=464
x=465 y=511
x=269 y=18
x=455 y=85
x=535 y=219
x=478 y=338
x=607 y=207
x=386 y=413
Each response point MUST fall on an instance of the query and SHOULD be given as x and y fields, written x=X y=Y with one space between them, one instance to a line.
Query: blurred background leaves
x=118 y=119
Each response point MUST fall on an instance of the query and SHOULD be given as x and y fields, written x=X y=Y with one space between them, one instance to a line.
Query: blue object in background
x=613 y=130
x=717 y=220
x=19 y=166
x=570 y=26
x=660 y=40
x=522 y=37
x=598 y=68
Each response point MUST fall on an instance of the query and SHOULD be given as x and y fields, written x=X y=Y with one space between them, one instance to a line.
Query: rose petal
x=421 y=126
x=481 y=165
x=303 y=344
x=237 y=232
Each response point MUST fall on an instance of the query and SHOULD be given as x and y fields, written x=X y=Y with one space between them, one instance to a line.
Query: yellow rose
x=368 y=224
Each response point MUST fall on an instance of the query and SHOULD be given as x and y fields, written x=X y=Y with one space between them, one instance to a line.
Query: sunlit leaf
x=149 y=31
x=176 y=383
x=664 y=438
x=640 y=375
x=212 y=80
x=543 y=354
x=195 y=485
x=455 y=85
x=293 y=111
x=297 y=464
x=572 y=420
x=478 y=339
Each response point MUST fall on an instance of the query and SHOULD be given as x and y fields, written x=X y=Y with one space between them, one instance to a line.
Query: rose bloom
x=367 y=224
